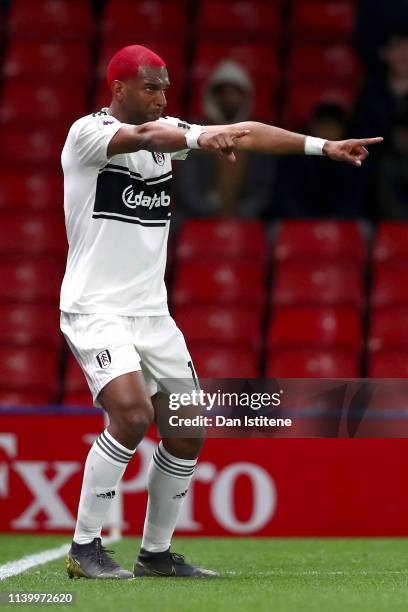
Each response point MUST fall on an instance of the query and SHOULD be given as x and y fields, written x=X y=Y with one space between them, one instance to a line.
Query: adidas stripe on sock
x=173 y=466
x=111 y=450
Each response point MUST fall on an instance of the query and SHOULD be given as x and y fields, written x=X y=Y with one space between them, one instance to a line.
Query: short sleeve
x=183 y=153
x=93 y=137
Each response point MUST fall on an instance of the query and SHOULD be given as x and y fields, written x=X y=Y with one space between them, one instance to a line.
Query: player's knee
x=140 y=418
x=193 y=446
x=135 y=414
x=186 y=448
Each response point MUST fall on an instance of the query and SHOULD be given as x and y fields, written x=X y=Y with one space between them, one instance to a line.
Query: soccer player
x=114 y=314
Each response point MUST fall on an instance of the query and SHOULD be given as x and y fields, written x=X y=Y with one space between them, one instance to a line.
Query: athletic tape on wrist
x=193 y=135
x=314 y=146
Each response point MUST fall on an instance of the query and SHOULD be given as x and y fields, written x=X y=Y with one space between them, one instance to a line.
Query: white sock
x=105 y=465
x=168 y=481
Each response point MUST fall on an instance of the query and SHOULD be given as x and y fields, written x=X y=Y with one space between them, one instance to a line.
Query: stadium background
x=256 y=295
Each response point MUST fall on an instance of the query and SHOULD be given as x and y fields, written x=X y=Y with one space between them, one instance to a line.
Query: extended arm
x=263 y=138
x=156 y=136
x=224 y=139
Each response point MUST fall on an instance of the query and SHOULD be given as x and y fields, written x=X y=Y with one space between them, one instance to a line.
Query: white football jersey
x=117 y=216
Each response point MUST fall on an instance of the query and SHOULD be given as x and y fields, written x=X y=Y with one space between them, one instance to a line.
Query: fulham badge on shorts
x=104 y=359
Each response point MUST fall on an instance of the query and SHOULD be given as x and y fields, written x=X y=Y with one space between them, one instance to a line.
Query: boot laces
x=177 y=558
x=102 y=555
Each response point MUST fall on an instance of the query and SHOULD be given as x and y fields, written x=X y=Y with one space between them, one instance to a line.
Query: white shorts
x=107 y=346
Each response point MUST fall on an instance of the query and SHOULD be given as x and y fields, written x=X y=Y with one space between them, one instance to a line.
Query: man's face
x=143 y=98
x=395 y=55
x=230 y=99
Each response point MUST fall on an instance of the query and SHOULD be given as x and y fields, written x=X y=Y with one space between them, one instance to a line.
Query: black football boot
x=168 y=564
x=93 y=561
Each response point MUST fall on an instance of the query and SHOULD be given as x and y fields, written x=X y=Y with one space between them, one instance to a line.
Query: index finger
x=240 y=133
x=370 y=141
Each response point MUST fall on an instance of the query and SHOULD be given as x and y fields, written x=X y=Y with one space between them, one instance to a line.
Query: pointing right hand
x=222 y=141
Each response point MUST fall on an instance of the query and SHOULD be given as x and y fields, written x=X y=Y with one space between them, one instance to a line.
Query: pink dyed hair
x=126 y=62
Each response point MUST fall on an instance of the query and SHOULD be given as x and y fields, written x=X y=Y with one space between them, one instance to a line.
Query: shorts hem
x=96 y=391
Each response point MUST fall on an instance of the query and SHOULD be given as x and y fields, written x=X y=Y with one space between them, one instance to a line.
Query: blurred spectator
x=393 y=175
x=384 y=94
x=376 y=21
x=315 y=186
x=209 y=185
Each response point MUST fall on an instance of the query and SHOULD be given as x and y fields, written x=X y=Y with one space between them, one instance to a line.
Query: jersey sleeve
x=93 y=137
x=183 y=153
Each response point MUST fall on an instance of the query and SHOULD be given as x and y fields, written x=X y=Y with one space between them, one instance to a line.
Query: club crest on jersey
x=132 y=200
x=158 y=158
x=104 y=359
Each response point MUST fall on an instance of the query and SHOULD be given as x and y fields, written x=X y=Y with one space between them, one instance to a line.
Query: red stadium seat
x=314 y=326
x=323 y=20
x=22 y=234
x=313 y=363
x=30 y=281
x=228 y=282
x=331 y=240
x=43 y=59
x=221 y=326
x=103 y=96
x=47 y=101
x=32 y=147
x=24 y=398
x=51 y=19
x=29 y=370
x=388 y=364
x=76 y=391
x=390 y=284
x=31 y=191
x=391 y=242
x=78 y=398
x=317 y=282
x=389 y=328
x=222 y=238
x=215 y=362
x=323 y=63
x=164 y=17
x=238 y=18
x=302 y=99
x=25 y=324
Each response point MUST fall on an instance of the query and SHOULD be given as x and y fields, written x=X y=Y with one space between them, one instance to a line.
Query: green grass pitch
x=273 y=575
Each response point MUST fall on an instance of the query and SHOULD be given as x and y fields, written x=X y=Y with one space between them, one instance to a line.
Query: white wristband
x=193 y=135
x=314 y=146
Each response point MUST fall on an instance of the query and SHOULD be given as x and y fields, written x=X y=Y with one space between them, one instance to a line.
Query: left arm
x=263 y=138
